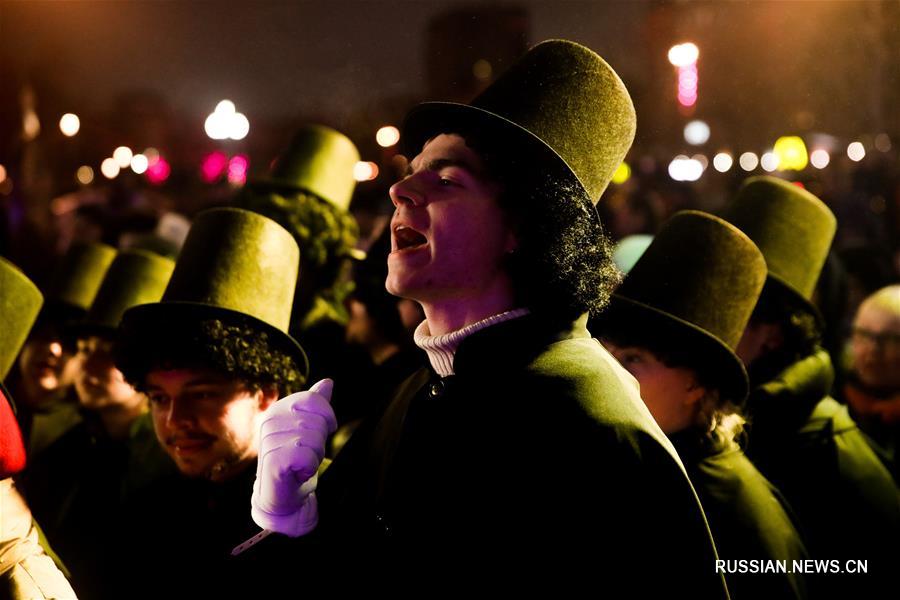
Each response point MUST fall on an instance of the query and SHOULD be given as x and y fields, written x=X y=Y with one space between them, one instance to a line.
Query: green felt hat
x=235 y=265
x=560 y=109
x=319 y=160
x=78 y=276
x=695 y=285
x=20 y=303
x=791 y=227
x=135 y=277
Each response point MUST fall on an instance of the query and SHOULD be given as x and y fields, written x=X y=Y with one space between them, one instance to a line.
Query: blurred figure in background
x=383 y=325
x=27 y=570
x=308 y=192
x=800 y=438
x=48 y=366
x=872 y=390
x=76 y=485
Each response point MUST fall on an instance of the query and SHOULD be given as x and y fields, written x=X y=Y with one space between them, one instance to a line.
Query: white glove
x=292 y=439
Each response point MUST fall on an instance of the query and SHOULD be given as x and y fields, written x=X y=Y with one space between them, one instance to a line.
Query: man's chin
x=193 y=469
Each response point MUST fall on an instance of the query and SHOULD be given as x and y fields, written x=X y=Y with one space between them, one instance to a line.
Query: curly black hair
x=563 y=265
x=238 y=349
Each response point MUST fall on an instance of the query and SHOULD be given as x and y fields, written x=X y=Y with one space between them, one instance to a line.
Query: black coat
x=846 y=503
x=177 y=542
x=535 y=463
x=748 y=517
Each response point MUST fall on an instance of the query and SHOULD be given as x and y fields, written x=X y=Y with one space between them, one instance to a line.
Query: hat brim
x=429 y=119
x=710 y=351
x=158 y=314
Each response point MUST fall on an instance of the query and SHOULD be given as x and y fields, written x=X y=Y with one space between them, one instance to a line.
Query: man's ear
x=267 y=396
x=695 y=393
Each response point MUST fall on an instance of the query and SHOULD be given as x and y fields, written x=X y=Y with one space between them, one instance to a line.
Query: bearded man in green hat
x=674 y=324
x=27 y=571
x=212 y=355
x=76 y=485
x=524 y=453
x=802 y=439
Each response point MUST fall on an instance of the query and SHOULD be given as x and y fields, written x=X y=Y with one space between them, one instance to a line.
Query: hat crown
x=240 y=261
x=560 y=104
x=20 y=303
x=702 y=270
x=135 y=277
x=319 y=160
x=571 y=99
x=78 y=277
x=791 y=227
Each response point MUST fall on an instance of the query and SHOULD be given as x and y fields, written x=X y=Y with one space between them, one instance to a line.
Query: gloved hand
x=292 y=439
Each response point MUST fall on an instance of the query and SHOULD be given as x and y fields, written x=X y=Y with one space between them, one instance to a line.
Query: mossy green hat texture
x=697 y=283
x=319 y=160
x=234 y=263
x=791 y=227
x=76 y=280
x=135 y=277
x=560 y=108
x=20 y=303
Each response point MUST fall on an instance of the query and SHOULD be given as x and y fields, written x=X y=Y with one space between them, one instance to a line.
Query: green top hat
x=560 y=108
x=791 y=227
x=20 y=303
x=77 y=279
x=235 y=265
x=697 y=283
x=135 y=277
x=319 y=160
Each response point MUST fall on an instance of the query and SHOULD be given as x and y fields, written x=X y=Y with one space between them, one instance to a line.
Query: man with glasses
x=873 y=386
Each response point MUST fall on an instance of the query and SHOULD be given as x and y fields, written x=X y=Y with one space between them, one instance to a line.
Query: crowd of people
x=480 y=400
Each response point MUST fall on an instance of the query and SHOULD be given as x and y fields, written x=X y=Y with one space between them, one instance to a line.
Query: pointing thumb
x=323 y=388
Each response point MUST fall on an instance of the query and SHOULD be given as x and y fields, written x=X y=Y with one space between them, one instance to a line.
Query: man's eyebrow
x=441 y=163
x=199 y=381
x=211 y=380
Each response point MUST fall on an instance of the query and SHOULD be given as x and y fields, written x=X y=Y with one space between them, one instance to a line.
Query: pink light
x=687 y=84
x=238 y=164
x=158 y=171
x=687 y=99
x=237 y=169
x=213 y=166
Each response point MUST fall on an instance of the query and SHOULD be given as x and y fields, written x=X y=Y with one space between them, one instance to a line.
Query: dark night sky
x=272 y=58
x=766 y=67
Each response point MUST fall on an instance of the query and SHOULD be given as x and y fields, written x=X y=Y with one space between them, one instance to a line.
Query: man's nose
x=408 y=192
x=178 y=413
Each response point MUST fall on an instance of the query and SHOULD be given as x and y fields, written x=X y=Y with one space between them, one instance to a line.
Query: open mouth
x=406 y=238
